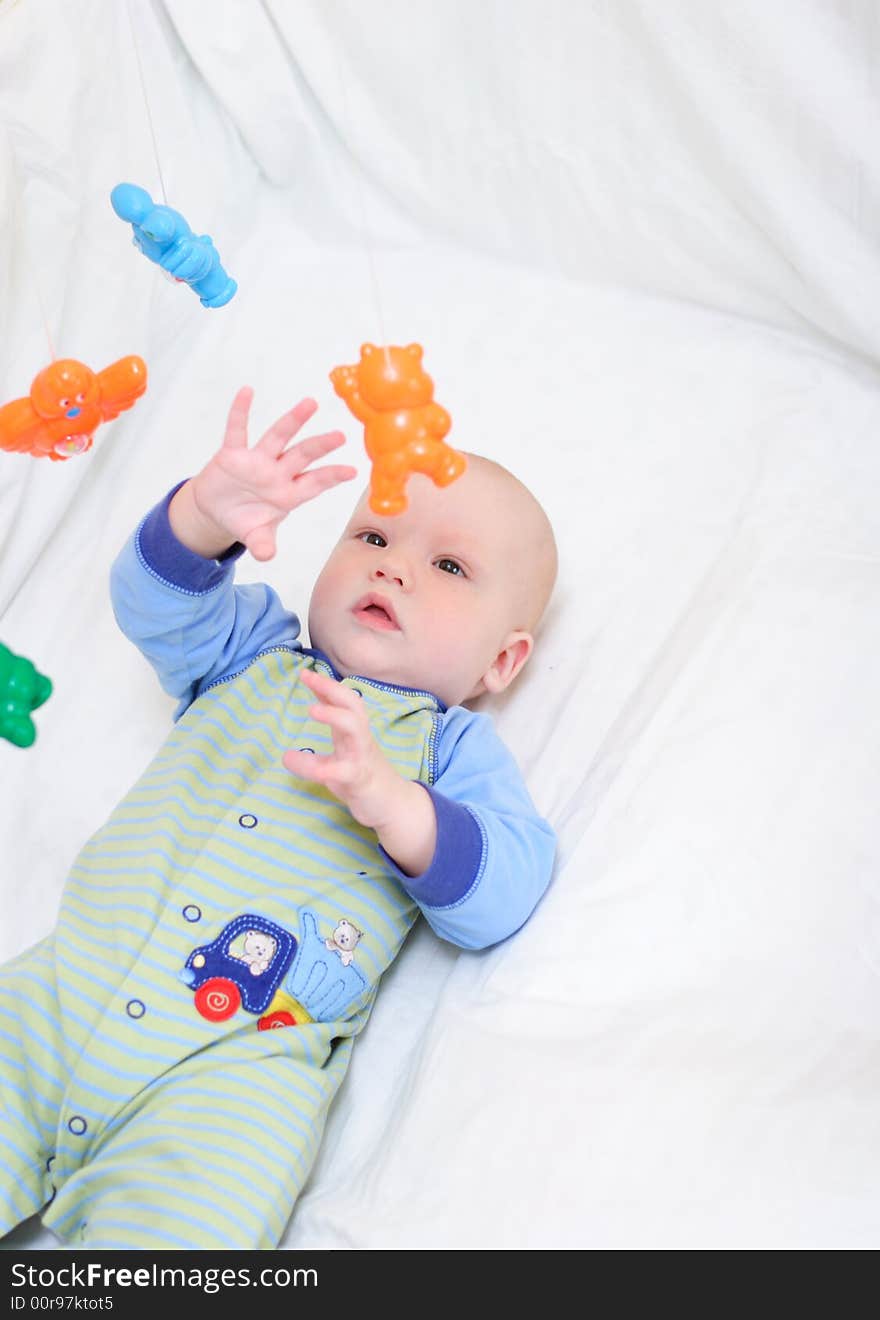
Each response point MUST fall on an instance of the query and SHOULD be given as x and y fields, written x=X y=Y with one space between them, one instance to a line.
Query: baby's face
x=427 y=598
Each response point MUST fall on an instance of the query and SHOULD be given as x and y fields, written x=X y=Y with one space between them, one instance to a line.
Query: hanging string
x=137 y=56
x=19 y=231
x=362 y=209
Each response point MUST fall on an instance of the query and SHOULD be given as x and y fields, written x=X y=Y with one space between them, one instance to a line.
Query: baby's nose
x=389 y=573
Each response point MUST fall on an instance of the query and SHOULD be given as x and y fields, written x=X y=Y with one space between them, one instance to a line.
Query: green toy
x=22 y=689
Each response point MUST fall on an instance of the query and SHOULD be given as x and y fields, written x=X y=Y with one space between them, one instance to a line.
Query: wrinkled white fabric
x=638 y=244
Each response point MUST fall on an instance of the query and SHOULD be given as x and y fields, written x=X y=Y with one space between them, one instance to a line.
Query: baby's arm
x=172 y=587
x=471 y=849
x=358 y=773
x=185 y=614
x=494 y=853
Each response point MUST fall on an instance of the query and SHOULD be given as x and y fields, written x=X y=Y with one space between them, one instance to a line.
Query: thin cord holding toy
x=137 y=56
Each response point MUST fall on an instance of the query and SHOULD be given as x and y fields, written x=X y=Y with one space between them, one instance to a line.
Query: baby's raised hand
x=356 y=771
x=242 y=493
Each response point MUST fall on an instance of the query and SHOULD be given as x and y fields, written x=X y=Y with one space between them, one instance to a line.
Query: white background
x=639 y=244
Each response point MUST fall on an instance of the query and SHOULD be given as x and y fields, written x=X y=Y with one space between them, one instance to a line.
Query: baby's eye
x=64 y=403
x=451 y=566
x=373 y=538
x=80 y=398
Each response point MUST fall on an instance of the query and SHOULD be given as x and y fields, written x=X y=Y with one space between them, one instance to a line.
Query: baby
x=168 y=1055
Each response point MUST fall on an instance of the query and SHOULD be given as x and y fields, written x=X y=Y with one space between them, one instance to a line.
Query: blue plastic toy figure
x=164 y=236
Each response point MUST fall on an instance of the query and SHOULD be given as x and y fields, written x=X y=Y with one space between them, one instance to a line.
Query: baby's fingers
x=345 y=725
x=261 y=543
x=236 y=426
x=286 y=427
x=307 y=765
x=298 y=457
x=329 y=690
x=335 y=774
x=312 y=483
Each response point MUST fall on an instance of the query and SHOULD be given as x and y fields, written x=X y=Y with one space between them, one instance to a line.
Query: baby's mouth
x=376 y=612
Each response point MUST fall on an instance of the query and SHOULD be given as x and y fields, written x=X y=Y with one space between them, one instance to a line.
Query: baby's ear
x=367 y=350
x=508 y=662
x=414 y=350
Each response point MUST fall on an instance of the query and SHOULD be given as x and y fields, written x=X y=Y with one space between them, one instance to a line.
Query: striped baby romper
x=169 y=1055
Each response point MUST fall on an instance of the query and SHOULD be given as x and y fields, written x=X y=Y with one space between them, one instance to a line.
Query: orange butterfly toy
x=67 y=403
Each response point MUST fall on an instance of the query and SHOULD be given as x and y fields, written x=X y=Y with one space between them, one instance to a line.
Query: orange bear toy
x=67 y=403
x=390 y=392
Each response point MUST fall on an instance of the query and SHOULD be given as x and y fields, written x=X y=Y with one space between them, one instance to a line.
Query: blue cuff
x=457 y=861
x=174 y=562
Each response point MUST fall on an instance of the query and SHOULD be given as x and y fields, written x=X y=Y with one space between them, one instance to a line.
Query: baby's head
x=444 y=597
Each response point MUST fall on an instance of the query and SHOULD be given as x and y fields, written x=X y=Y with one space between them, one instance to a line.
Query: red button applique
x=217 y=999
x=280 y=1019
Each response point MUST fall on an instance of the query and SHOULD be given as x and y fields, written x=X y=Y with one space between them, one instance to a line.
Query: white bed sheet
x=674 y=348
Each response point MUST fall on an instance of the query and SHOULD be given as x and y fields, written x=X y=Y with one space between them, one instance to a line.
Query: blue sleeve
x=494 y=854
x=184 y=613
